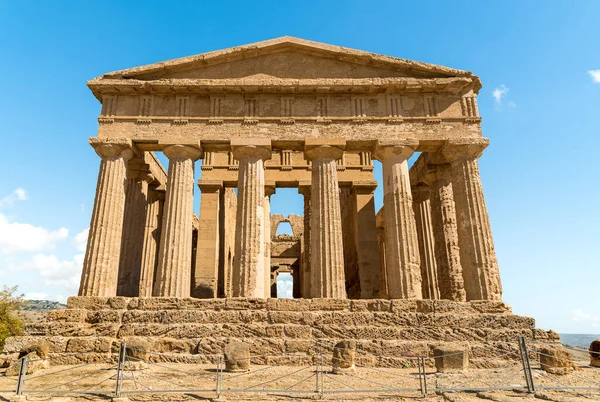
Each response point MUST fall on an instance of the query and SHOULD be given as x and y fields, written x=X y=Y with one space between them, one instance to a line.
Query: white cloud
x=55 y=272
x=595 y=74
x=18 y=237
x=18 y=195
x=579 y=315
x=500 y=93
x=80 y=239
x=36 y=296
x=285 y=286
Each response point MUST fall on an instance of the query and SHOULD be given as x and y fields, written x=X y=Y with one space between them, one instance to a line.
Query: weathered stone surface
x=451 y=357
x=40 y=348
x=137 y=349
x=237 y=357
x=89 y=344
x=595 y=353
x=35 y=364
x=344 y=353
x=556 y=360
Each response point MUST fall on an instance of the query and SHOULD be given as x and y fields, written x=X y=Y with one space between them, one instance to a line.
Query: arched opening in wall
x=284 y=228
x=285 y=285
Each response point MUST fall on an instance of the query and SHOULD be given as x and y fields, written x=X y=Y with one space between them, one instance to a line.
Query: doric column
x=480 y=266
x=174 y=259
x=101 y=264
x=206 y=275
x=445 y=227
x=132 y=242
x=304 y=189
x=401 y=245
x=365 y=236
x=269 y=191
x=154 y=210
x=326 y=245
x=249 y=264
x=422 y=207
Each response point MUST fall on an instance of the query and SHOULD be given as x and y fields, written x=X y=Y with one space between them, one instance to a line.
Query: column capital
x=210 y=186
x=420 y=192
x=181 y=152
x=270 y=188
x=112 y=148
x=251 y=147
x=328 y=148
x=364 y=186
x=401 y=149
x=457 y=150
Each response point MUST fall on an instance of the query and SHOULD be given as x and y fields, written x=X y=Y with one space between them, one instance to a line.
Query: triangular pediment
x=285 y=58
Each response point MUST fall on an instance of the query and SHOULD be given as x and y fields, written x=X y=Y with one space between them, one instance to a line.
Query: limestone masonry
x=288 y=113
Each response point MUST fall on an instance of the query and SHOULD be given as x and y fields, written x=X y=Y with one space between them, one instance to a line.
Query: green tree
x=10 y=323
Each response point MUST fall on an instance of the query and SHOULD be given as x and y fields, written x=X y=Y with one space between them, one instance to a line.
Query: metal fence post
x=526 y=365
x=120 y=370
x=317 y=366
x=422 y=363
x=22 y=373
x=219 y=379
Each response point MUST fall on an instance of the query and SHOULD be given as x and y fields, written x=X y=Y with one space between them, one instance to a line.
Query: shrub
x=10 y=323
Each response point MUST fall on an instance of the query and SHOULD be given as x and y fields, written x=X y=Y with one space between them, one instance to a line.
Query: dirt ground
x=287 y=383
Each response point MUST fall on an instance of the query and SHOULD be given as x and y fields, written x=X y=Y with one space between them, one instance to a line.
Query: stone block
x=329 y=304
x=556 y=360
x=404 y=349
x=243 y=330
x=288 y=304
x=403 y=306
x=451 y=357
x=14 y=344
x=183 y=316
x=196 y=330
x=40 y=348
x=298 y=345
x=287 y=317
x=104 y=316
x=297 y=331
x=137 y=349
x=75 y=315
x=274 y=330
x=489 y=306
x=172 y=345
x=595 y=353
x=370 y=305
x=237 y=357
x=89 y=344
x=154 y=303
x=35 y=364
x=245 y=304
x=344 y=353
x=142 y=316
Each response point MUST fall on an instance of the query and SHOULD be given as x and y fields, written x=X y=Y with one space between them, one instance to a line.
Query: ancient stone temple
x=290 y=113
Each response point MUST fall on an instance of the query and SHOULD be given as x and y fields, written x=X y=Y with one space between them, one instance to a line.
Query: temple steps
x=91 y=328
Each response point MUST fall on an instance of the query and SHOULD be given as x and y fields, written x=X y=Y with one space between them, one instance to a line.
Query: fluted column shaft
x=422 y=207
x=269 y=191
x=480 y=266
x=152 y=226
x=401 y=244
x=327 y=254
x=304 y=189
x=174 y=259
x=445 y=226
x=249 y=265
x=101 y=264
x=132 y=243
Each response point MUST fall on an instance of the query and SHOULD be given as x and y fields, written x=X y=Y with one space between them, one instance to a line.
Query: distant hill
x=581 y=340
x=42 y=305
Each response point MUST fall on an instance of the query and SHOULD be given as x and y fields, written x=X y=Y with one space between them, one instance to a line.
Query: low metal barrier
x=510 y=366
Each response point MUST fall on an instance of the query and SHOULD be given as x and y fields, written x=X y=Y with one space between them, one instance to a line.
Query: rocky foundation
x=386 y=331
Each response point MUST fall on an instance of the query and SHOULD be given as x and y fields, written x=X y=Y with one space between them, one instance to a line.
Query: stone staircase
x=197 y=330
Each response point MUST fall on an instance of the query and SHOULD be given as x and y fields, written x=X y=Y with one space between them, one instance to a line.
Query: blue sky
x=540 y=66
